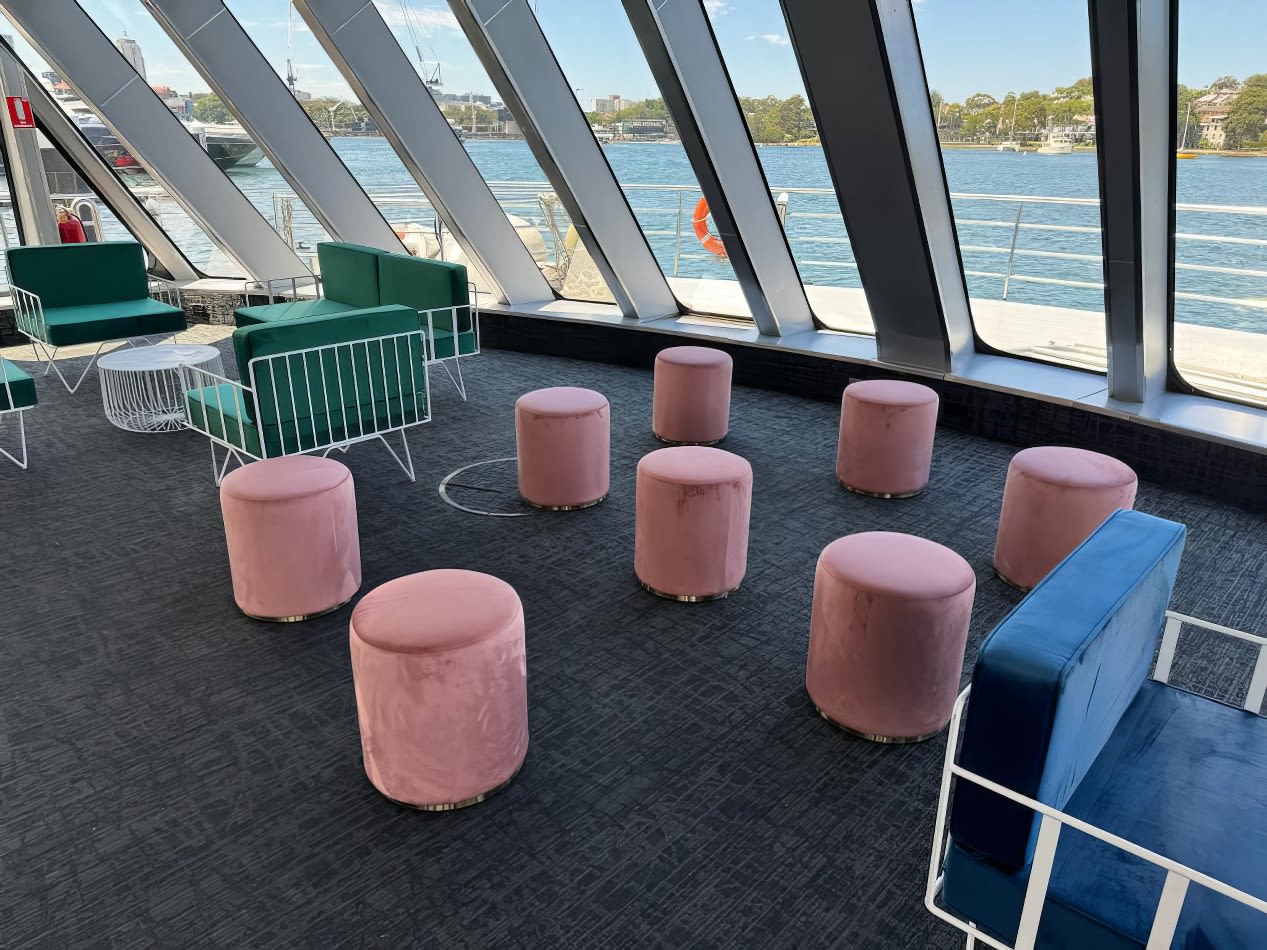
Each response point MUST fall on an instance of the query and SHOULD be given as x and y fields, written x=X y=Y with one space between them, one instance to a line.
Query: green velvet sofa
x=313 y=384
x=355 y=277
x=17 y=394
x=69 y=294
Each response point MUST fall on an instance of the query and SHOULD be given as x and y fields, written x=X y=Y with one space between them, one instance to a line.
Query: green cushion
x=292 y=310
x=442 y=345
x=117 y=320
x=220 y=410
x=71 y=275
x=421 y=283
x=349 y=272
x=17 y=383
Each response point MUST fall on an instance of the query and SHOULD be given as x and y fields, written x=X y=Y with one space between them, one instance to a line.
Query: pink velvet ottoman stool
x=441 y=682
x=888 y=629
x=690 y=403
x=564 y=446
x=1053 y=499
x=290 y=524
x=886 y=437
x=691 y=522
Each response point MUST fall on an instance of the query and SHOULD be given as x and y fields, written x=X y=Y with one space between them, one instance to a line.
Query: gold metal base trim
x=464 y=803
x=872 y=737
x=681 y=442
x=582 y=507
x=882 y=494
x=300 y=618
x=1011 y=583
x=687 y=598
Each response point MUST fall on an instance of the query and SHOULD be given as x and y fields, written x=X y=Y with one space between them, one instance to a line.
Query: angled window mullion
x=514 y=51
x=80 y=52
x=216 y=45
x=892 y=188
x=684 y=58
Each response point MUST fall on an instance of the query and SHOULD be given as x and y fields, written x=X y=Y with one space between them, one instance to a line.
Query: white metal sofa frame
x=28 y=312
x=19 y=412
x=264 y=288
x=196 y=378
x=1178 y=876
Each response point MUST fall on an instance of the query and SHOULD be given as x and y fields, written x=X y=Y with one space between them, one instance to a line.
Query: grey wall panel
x=217 y=46
x=23 y=166
x=687 y=65
x=889 y=178
x=71 y=42
x=363 y=49
x=509 y=41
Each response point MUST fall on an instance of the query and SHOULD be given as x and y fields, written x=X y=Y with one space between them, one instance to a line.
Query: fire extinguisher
x=69 y=228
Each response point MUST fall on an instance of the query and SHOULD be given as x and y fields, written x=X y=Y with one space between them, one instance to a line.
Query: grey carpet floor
x=174 y=774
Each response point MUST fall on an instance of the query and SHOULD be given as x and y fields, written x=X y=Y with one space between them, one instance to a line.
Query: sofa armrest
x=1175 y=622
x=270 y=287
x=193 y=378
x=166 y=291
x=28 y=313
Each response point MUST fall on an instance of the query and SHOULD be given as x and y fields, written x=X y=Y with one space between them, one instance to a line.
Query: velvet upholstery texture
x=563 y=436
x=888 y=628
x=17 y=388
x=886 y=437
x=1053 y=499
x=290 y=524
x=690 y=401
x=691 y=521
x=441 y=677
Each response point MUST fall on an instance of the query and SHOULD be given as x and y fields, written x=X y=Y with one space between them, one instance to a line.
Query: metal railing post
x=677 y=235
x=1011 y=254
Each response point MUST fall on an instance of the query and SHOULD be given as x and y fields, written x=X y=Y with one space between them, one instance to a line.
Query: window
x=1220 y=318
x=1011 y=93
x=754 y=43
x=614 y=85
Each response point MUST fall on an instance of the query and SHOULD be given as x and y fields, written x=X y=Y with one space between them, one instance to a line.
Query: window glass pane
x=1016 y=121
x=762 y=65
x=430 y=36
x=1220 y=330
x=614 y=85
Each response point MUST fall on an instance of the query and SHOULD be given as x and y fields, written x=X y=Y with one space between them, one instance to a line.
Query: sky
x=993 y=46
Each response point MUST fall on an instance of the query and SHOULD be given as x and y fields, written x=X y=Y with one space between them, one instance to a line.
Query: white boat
x=1056 y=143
x=1011 y=145
x=1008 y=146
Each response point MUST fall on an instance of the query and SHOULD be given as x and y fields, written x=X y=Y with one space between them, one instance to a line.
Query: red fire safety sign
x=20 y=113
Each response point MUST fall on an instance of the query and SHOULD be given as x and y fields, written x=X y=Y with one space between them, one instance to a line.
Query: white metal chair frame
x=195 y=378
x=1178 y=876
x=264 y=288
x=28 y=312
x=20 y=413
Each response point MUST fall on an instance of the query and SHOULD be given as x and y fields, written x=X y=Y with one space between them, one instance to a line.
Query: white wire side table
x=140 y=387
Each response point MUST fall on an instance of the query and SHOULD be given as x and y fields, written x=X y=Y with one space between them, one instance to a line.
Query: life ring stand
x=710 y=241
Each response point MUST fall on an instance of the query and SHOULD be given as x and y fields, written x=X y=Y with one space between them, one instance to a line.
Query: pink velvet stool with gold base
x=1054 y=498
x=691 y=522
x=564 y=445
x=690 y=403
x=888 y=629
x=290 y=524
x=886 y=437
x=441 y=681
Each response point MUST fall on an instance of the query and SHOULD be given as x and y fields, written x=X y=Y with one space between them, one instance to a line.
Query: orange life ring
x=711 y=242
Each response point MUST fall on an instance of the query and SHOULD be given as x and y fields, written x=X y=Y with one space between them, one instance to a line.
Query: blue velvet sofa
x=1062 y=711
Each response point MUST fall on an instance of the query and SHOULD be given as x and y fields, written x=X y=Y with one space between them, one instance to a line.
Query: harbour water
x=1057 y=255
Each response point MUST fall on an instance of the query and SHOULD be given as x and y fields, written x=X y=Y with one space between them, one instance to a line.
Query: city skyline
x=963 y=54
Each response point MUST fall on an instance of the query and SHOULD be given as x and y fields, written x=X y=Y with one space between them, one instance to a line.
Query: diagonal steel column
x=216 y=45
x=514 y=51
x=71 y=42
x=862 y=69
x=363 y=49
x=679 y=45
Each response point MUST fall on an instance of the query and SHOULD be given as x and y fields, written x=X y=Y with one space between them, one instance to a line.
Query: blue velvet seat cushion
x=1182 y=776
x=1055 y=676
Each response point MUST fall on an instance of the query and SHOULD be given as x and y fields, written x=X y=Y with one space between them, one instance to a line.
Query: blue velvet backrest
x=1055 y=676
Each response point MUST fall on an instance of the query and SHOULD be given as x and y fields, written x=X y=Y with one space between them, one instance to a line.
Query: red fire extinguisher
x=69 y=228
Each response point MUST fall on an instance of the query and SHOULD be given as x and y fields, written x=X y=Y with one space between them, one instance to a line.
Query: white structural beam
x=216 y=45
x=25 y=168
x=73 y=45
x=514 y=51
x=680 y=47
x=361 y=46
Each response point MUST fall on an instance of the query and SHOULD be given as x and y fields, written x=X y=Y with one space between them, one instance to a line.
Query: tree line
x=1020 y=116
x=770 y=119
x=1246 y=122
